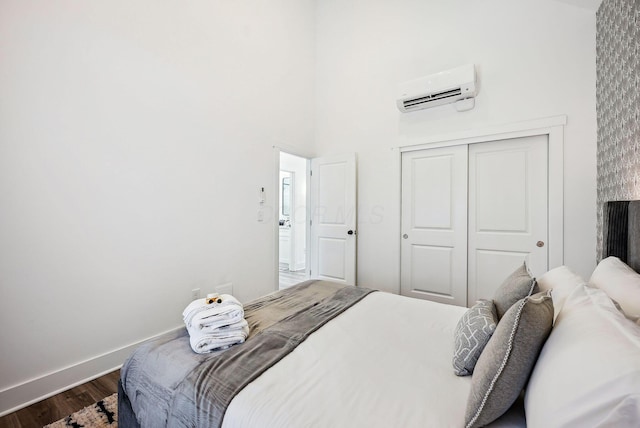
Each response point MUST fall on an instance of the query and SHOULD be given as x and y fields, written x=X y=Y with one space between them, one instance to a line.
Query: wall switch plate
x=225 y=288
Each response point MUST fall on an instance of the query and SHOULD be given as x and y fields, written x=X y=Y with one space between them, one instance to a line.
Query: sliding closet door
x=508 y=211
x=434 y=225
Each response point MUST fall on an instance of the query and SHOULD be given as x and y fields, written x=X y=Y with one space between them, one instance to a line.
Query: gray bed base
x=126 y=417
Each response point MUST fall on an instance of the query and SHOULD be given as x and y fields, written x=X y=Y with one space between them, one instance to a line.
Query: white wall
x=133 y=139
x=535 y=59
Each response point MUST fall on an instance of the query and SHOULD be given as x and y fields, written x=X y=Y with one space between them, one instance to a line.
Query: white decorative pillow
x=620 y=282
x=588 y=372
x=472 y=334
x=561 y=281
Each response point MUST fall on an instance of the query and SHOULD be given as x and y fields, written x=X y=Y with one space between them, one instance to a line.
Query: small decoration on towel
x=215 y=323
x=213 y=299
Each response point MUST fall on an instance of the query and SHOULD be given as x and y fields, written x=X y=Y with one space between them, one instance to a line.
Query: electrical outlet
x=195 y=294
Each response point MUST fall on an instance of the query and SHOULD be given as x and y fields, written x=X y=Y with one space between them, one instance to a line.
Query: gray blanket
x=169 y=385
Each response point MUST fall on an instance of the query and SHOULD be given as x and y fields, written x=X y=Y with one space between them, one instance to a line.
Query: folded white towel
x=208 y=322
x=215 y=326
x=221 y=332
x=200 y=315
x=221 y=338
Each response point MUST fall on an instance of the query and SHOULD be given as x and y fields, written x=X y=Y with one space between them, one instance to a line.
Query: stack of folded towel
x=215 y=323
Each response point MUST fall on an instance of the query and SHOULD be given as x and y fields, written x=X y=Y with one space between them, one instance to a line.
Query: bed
x=559 y=351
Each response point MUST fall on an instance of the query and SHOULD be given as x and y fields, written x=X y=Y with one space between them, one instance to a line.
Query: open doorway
x=292 y=220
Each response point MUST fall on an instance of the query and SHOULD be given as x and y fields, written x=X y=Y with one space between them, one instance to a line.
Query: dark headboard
x=622 y=232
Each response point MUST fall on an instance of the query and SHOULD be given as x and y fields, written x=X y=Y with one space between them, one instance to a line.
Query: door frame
x=276 y=226
x=552 y=127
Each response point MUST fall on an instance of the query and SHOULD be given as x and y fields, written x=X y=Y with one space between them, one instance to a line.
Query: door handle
x=405 y=236
x=351 y=232
x=540 y=244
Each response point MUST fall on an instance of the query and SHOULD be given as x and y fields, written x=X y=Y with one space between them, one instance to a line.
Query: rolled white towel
x=222 y=338
x=222 y=331
x=210 y=322
x=200 y=314
x=238 y=328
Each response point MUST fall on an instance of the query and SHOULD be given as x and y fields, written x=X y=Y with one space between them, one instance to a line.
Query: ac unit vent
x=432 y=97
x=456 y=86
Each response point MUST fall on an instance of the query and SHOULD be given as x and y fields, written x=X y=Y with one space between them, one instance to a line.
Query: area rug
x=104 y=413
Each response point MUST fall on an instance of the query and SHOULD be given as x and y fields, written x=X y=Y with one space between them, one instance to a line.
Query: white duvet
x=386 y=362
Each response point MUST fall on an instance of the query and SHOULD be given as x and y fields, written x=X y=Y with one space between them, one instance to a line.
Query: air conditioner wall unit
x=457 y=86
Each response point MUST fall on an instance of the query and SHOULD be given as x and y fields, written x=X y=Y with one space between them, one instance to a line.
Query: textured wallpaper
x=618 y=103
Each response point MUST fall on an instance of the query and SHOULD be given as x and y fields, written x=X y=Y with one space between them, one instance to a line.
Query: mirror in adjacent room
x=286 y=195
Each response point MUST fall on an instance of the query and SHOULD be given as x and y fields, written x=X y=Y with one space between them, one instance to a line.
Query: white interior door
x=508 y=211
x=333 y=218
x=434 y=225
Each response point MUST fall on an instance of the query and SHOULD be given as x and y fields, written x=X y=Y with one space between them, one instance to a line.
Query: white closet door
x=434 y=225
x=508 y=211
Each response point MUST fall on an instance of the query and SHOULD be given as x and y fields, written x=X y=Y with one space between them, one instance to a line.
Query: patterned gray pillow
x=508 y=359
x=472 y=334
x=517 y=286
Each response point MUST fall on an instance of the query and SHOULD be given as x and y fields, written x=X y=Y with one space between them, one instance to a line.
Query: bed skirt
x=126 y=417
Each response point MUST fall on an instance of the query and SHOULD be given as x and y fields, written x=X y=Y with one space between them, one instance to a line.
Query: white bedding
x=350 y=373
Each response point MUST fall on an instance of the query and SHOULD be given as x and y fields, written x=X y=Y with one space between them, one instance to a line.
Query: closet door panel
x=508 y=211
x=501 y=190
x=431 y=192
x=492 y=268
x=434 y=225
x=431 y=270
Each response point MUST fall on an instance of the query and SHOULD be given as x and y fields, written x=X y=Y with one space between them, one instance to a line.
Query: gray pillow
x=472 y=334
x=508 y=359
x=517 y=286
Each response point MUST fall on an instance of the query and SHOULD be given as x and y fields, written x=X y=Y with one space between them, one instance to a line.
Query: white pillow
x=620 y=282
x=588 y=372
x=561 y=281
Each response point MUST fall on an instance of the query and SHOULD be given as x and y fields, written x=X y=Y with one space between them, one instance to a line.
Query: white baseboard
x=24 y=394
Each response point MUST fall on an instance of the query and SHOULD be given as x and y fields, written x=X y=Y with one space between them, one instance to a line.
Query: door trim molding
x=492 y=133
x=552 y=127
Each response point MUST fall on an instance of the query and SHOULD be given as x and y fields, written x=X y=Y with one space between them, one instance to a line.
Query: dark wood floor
x=57 y=407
